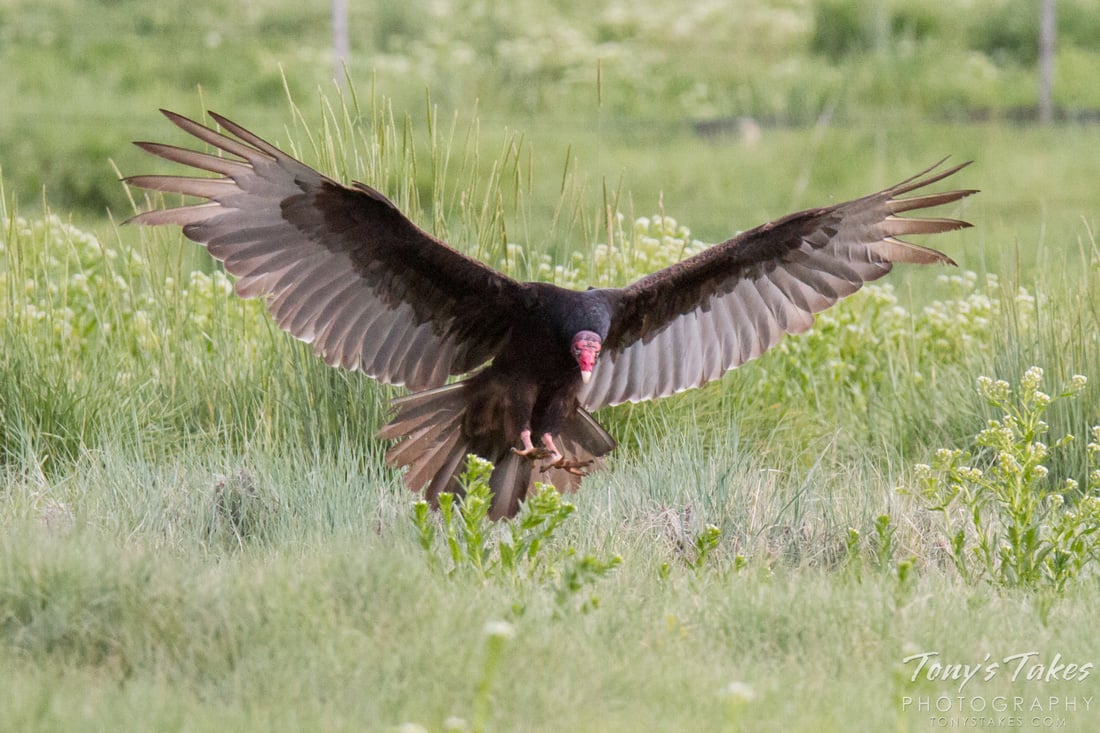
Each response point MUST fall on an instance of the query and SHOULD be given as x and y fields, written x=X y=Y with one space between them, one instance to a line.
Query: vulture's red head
x=586 y=348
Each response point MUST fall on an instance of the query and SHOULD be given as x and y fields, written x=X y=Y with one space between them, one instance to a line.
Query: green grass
x=197 y=531
x=322 y=625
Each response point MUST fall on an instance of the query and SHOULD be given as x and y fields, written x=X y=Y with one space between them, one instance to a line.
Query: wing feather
x=209 y=188
x=711 y=357
x=344 y=346
x=181 y=215
x=195 y=159
x=299 y=307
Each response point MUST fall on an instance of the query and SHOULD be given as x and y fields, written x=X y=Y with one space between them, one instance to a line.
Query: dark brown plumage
x=343 y=269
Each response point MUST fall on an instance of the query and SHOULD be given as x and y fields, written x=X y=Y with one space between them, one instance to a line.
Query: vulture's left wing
x=692 y=322
x=340 y=267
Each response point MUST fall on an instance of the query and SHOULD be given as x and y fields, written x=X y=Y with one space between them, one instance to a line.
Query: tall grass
x=139 y=344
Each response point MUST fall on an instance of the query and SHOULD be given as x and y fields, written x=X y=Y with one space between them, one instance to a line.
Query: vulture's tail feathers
x=432 y=446
x=510 y=482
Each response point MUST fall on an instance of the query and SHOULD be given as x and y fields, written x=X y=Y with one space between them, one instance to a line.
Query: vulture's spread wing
x=690 y=323
x=341 y=267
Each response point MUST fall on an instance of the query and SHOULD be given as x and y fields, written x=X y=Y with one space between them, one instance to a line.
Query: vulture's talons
x=577 y=468
x=535 y=453
x=547 y=451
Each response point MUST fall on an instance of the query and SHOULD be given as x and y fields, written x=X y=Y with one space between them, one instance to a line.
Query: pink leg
x=555 y=455
x=529 y=449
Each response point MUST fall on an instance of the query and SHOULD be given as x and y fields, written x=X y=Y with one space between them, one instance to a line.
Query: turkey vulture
x=344 y=270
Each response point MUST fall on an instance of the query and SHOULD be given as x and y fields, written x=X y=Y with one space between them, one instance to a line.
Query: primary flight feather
x=343 y=269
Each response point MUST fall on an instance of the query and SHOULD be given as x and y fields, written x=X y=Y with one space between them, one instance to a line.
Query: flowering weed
x=1008 y=521
x=521 y=550
x=633 y=252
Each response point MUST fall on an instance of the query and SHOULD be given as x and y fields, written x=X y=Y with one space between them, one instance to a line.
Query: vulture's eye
x=578 y=350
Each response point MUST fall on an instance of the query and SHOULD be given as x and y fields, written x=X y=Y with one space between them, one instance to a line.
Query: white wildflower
x=499 y=629
x=411 y=728
x=739 y=691
x=1032 y=378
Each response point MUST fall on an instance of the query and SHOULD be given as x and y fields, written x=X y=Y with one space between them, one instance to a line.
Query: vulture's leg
x=550 y=451
x=555 y=455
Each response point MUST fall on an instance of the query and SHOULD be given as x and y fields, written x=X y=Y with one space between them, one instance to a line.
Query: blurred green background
x=82 y=78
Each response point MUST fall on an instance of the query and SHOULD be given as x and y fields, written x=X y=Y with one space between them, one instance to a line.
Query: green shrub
x=852 y=27
x=1008 y=522
x=463 y=541
x=1009 y=33
x=839 y=29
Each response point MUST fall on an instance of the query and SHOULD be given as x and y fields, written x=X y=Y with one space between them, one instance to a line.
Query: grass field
x=198 y=532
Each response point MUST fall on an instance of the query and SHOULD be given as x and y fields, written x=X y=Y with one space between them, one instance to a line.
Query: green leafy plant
x=462 y=540
x=882 y=546
x=706 y=542
x=1007 y=521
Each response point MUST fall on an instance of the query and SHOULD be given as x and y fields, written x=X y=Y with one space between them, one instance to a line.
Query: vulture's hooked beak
x=586 y=374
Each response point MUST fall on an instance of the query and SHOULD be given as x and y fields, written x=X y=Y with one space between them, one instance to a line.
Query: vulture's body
x=343 y=269
x=532 y=383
